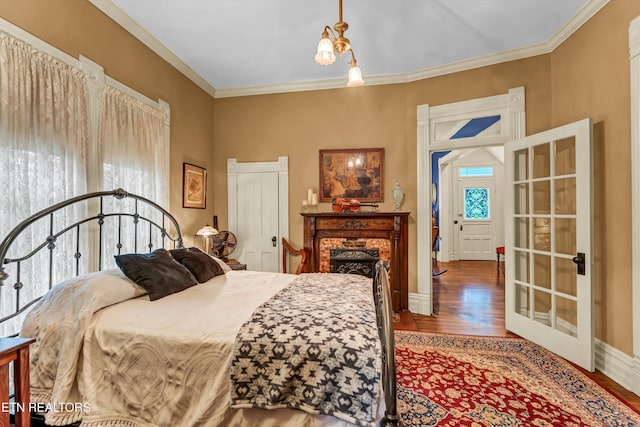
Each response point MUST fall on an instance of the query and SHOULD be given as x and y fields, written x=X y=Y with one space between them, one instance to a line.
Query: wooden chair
x=499 y=251
x=287 y=250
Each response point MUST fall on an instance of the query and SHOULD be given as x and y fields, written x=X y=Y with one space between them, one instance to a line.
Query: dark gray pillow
x=201 y=265
x=157 y=272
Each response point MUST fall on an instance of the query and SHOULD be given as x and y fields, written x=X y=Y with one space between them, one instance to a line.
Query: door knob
x=455 y=221
x=274 y=239
x=579 y=261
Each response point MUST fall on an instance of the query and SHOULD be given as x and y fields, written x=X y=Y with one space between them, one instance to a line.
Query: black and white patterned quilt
x=314 y=346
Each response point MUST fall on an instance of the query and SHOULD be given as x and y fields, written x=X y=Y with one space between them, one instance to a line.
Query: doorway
x=479 y=123
x=468 y=209
x=470 y=297
x=547 y=200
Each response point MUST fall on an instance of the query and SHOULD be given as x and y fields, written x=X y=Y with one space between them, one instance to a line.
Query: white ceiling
x=236 y=47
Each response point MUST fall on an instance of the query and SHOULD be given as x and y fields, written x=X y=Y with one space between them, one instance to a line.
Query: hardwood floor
x=469 y=299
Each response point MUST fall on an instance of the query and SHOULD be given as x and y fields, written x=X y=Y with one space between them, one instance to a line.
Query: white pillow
x=223 y=264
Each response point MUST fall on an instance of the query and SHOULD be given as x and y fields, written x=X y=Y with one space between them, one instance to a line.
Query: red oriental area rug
x=454 y=380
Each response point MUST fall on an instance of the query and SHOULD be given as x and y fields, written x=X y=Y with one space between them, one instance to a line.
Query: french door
x=548 y=240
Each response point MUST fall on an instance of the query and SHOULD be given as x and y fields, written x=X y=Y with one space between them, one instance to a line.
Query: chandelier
x=340 y=44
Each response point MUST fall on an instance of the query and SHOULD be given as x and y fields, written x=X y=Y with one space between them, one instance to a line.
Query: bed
x=116 y=345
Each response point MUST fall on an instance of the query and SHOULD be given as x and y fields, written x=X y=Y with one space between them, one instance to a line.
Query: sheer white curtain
x=133 y=157
x=43 y=140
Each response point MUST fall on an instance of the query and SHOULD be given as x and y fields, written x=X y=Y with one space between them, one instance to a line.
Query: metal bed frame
x=381 y=292
x=384 y=316
x=98 y=219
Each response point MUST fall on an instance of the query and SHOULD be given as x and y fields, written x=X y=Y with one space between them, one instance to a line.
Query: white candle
x=309 y=194
x=305 y=202
x=314 y=199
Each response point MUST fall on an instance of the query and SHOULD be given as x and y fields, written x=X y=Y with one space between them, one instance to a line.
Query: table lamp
x=207 y=231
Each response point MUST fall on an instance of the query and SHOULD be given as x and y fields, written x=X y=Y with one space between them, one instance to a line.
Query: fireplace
x=361 y=231
x=353 y=261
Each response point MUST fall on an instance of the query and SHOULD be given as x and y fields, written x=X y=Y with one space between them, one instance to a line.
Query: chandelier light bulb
x=355 y=75
x=325 y=55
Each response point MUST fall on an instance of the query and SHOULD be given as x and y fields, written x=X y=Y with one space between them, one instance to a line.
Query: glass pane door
x=548 y=241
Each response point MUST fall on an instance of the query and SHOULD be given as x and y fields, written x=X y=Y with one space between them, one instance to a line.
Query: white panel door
x=476 y=218
x=548 y=241
x=257 y=224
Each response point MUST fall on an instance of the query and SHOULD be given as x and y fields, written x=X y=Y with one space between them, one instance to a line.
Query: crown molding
x=336 y=83
x=584 y=14
x=480 y=61
x=125 y=21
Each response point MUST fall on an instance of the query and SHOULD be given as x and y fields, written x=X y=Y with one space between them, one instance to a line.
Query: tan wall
x=590 y=78
x=78 y=28
x=261 y=128
x=298 y=125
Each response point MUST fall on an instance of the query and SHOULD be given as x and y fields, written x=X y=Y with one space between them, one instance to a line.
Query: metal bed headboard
x=97 y=220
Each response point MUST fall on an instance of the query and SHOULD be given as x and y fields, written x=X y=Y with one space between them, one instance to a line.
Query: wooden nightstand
x=234 y=264
x=15 y=350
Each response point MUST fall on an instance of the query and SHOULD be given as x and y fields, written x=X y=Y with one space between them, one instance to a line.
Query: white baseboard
x=612 y=362
x=635 y=378
x=420 y=303
x=617 y=365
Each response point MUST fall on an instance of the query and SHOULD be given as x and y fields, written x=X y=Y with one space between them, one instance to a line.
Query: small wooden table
x=15 y=350
x=234 y=264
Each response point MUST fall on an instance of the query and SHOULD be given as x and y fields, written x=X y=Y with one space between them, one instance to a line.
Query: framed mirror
x=434 y=193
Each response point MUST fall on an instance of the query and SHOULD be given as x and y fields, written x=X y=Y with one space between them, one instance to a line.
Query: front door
x=476 y=218
x=548 y=241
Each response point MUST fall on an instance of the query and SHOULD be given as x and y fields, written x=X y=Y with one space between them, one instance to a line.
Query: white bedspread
x=141 y=363
x=58 y=322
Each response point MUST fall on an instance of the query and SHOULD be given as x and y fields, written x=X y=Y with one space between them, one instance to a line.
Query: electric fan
x=224 y=244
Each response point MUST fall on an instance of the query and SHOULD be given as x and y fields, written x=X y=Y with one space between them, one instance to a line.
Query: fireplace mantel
x=390 y=226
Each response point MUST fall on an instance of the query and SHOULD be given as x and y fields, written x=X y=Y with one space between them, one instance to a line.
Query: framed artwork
x=353 y=174
x=194 y=190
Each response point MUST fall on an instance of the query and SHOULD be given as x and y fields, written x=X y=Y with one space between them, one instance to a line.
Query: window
x=43 y=146
x=476 y=203
x=482 y=171
x=49 y=117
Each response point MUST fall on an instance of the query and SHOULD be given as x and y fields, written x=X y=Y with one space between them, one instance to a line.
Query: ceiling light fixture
x=340 y=44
